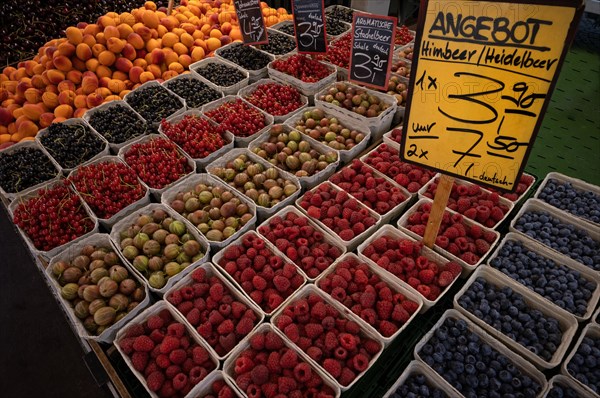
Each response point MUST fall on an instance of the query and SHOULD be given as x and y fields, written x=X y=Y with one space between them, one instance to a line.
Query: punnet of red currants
x=239 y=118
x=195 y=135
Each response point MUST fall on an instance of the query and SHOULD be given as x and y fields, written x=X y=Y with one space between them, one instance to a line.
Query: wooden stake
x=170 y=7
x=437 y=209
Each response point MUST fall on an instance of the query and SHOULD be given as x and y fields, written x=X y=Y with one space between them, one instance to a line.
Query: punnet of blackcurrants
x=275 y=99
x=107 y=187
x=154 y=103
x=279 y=44
x=247 y=57
x=117 y=124
x=334 y=25
x=24 y=168
x=238 y=117
x=563 y=195
x=53 y=217
x=71 y=144
x=157 y=162
x=342 y=13
x=195 y=92
x=197 y=136
x=220 y=74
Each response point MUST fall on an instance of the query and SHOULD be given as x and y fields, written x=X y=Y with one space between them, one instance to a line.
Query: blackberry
x=23 y=168
x=117 y=124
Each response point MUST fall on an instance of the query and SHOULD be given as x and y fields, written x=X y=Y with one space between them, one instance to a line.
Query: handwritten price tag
x=251 y=21
x=483 y=74
x=309 y=26
x=372 y=49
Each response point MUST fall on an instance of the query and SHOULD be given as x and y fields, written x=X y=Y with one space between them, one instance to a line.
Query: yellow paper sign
x=482 y=80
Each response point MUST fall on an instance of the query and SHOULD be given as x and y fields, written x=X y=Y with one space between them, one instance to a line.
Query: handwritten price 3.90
x=370 y=65
x=311 y=30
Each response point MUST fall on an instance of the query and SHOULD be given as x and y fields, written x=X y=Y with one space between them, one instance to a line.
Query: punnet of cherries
x=275 y=99
x=302 y=67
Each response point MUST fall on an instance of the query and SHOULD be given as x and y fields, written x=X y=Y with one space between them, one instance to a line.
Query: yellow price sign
x=481 y=80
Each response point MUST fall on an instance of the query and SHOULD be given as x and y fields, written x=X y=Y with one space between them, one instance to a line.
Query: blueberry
x=564 y=196
x=416 y=385
x=561 y=391
x=584 y=363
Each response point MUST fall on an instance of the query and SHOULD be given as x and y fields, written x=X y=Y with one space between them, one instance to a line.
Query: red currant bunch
x=239 y=118
x=302 y=67
x=108 y=187
x=338 y=52
x=403 y=36
x=196 y=135
x=54 y=217
x=157 y=162
x=275 y=99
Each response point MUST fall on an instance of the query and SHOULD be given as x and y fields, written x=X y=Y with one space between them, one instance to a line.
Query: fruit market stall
x=209 y=218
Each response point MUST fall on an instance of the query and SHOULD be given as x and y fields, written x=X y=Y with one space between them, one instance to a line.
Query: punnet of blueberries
x=278 y=44
x=154 y=103
x=565 y=238
x=195 y=92
x=24 y=168
x=247 y=57
x=220 y=74
x=585 y=364
x=563 y=286
x=341 y=13
x=71 y=144
x=563 y=195
x=417 y=385
x=561 y=391
x=473 y=366
x=507 y=312
x=117 y=124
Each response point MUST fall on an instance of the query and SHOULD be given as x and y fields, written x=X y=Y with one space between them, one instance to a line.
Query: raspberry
x=483 y=213
x=410 y=306
x=400 y=314
x=169 y=344
x=259 y=374
x=462 y=205
x=360 y=362
x=197 y=374
x=406 y=247
x=302 y=372
x=445 y=278
x=367 y=299
x=347 y=341
x=384 y=309
x=424 y=290
x=139 y=360
x=143 y=343
x=282 y=284
x=289 y=359
x=333 y=367
x=244 y=326
x=346 y=377
x=292 y=332
x=177 y=356
x=126 y=345
x=225 y=327
x=285 y=385
x=387 y=328
x=489 y=236
x=155 y=380
x=426 y=276
x=154 y=322
x=313 y=330
x=200 y=355
x=482 y=246
x=346 y=235
x=469 y=258
x=272 y=341
x=180 y=381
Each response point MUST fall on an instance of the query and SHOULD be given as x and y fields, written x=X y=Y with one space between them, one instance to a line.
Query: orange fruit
x=213 y=43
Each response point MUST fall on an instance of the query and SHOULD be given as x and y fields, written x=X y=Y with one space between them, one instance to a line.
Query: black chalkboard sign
x=309 y=26
x=251 y=21
x=372 y=49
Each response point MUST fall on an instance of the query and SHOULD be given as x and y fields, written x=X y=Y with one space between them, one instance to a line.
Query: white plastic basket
x=234 y=291
x=523 y=365
x=378 y=125
x=565 y=382
x=458 y=182
x=143 y=201
x=467 y=268
x=596 y=317
x=262 y=212
x=32 y=193
x=125 y=222
x=538 y=205
x=204 y=388
x=239 y=141
x=347 y=154
x=308 y=181
x=577 y=184
x=99 y=240
x=143 y=317
x=28 y=144
x=273 y=32
x=327 y=236
x=354 y=242
x=388 y=230
x=558 y=259
x=193 y=76
x=593 y=331
x=218 y=256
x=247 y=91
x=434 y=379
x=567 y=322
x=71 y=122
x=188 y=184
x=157 y=192
x=344 y=313
x=229 y=365
x=253 y=74
x=151 y=83
x=389 y=141
x=226 y=90
x=201 y=163
x=396 y=285
x=115 y=104
x=308 y=89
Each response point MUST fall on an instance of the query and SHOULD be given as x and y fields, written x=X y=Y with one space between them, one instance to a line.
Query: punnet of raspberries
x=473 y=202
x=336 y=343
x=387 y=161
x=238 y=117
x=195 y=135
x=522 y=186
x=338 y=211
x=210 y=307
x=269 y=368
x=157 y=162
x=107 y=187
x=163 y=351
x=396 y=135
x=467 y=241
x=302 y=243
x=405 y=259
x=302 y=67
x=275 y=99
x=355 y=285
x=373 y=190
x=53 y=217
x=265 y=276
